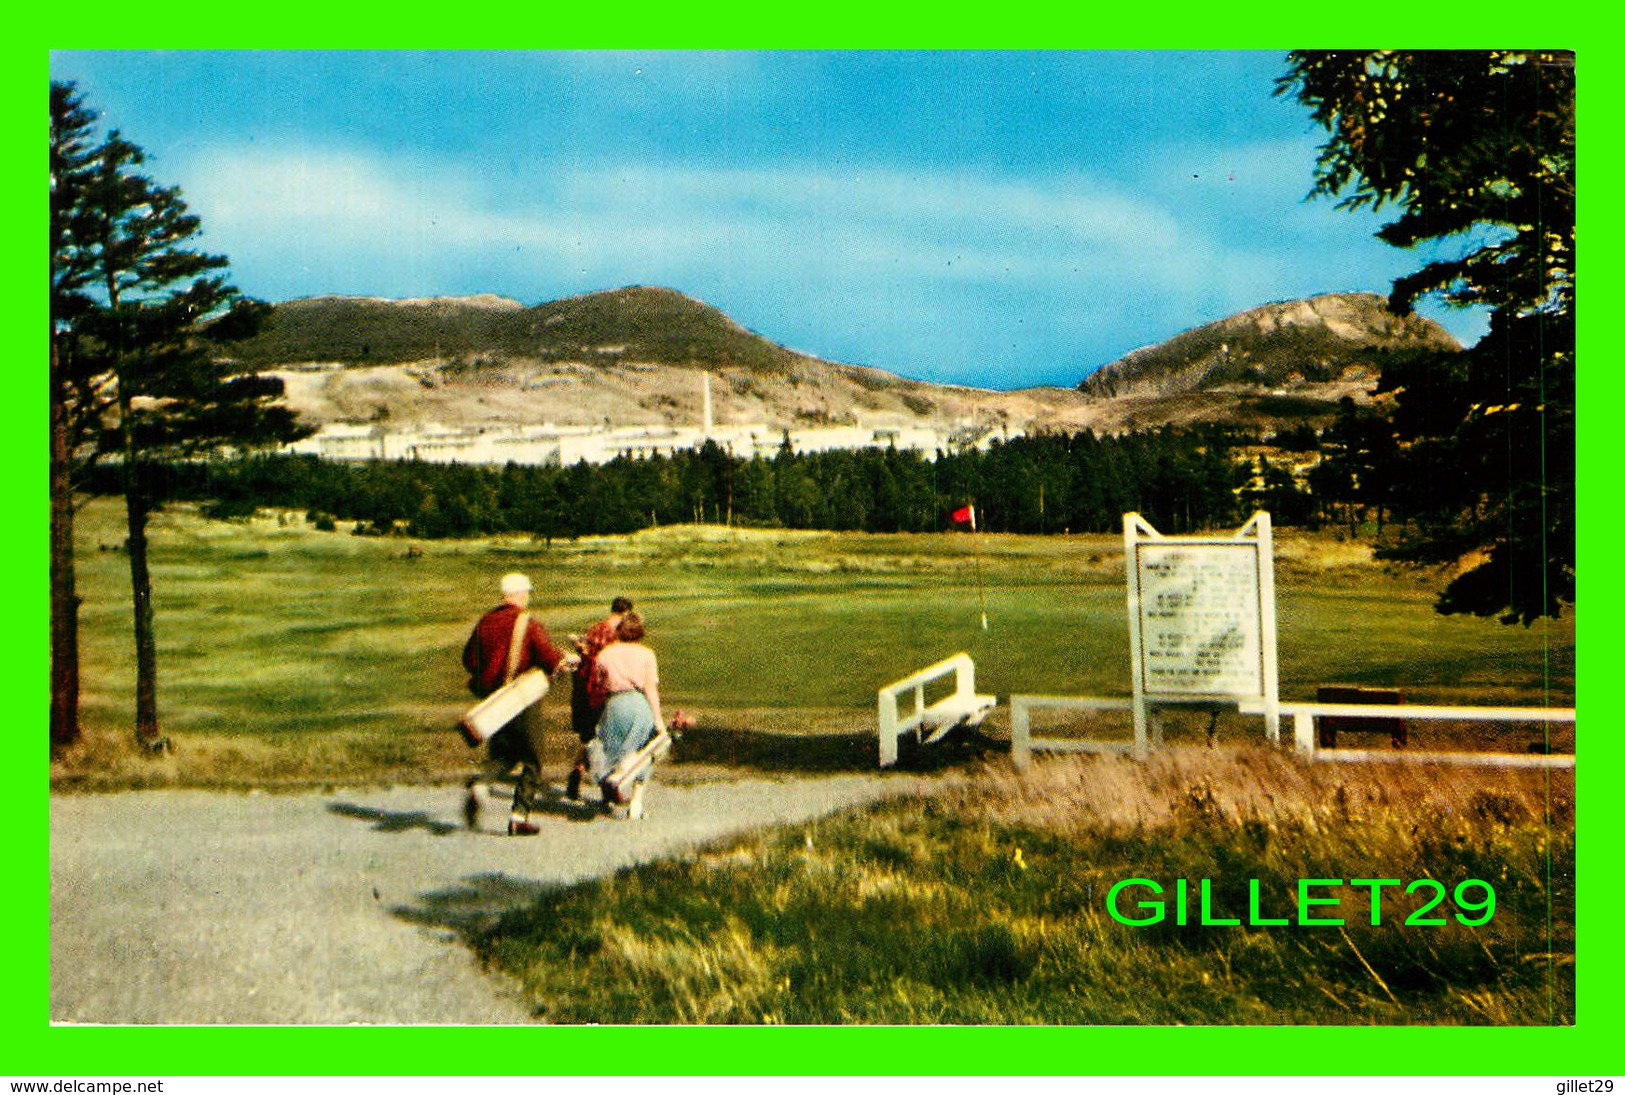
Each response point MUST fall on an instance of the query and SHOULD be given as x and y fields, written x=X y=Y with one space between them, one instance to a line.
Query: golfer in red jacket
x=506 y=642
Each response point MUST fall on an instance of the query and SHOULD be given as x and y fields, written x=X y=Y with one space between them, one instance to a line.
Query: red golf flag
x=965 y=515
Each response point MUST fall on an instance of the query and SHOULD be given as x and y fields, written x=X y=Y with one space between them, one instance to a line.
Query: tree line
x=1181 y=480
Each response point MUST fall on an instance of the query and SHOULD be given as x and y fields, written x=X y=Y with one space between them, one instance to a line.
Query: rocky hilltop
x=1324 y=339
x=637 y=356
x=1293 y=360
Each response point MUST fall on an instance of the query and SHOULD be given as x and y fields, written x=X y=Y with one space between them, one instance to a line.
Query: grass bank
x=986 y=903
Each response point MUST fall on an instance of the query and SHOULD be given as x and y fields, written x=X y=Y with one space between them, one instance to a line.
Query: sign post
x=1201 y=617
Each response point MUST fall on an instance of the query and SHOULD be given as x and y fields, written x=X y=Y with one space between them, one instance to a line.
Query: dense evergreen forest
x=1180 y=480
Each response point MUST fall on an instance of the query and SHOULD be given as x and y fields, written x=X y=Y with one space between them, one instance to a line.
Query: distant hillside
x=646 y=325
x=631 y=357
x=1337 y=339
x=636 y=356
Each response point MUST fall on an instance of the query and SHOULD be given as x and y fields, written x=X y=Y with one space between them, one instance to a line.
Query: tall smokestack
x=705 y=401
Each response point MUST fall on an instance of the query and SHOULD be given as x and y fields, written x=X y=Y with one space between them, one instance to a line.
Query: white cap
x=515 y=583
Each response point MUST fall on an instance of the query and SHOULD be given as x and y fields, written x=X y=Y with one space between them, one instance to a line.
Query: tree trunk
x=135 y=509
x=64 y=594
x=146 y=642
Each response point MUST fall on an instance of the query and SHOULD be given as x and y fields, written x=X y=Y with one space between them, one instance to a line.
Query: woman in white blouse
x=631 y=715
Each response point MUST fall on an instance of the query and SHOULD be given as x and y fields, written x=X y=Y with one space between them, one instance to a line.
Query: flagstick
x=976 y=551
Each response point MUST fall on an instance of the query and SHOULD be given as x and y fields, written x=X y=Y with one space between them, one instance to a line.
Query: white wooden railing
x=1022 y=742
x=1303 y=717
x=961 y=707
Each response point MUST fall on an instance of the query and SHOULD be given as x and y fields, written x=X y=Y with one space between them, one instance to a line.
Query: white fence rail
x=961 y=707
x=1303 y=717
x=1022 y=742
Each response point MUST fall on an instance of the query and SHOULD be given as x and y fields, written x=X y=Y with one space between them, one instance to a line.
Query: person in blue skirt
x=630 y=677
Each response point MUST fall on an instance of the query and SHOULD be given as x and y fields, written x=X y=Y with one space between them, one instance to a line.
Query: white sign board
x=1199 y=619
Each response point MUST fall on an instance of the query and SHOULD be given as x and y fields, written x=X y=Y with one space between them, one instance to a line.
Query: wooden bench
x=1331 y=725
x=930 y=722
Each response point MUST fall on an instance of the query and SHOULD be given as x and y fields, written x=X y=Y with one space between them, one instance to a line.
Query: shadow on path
x=393 y=821
x=553 y=804
x=475 y=905
x=733 y=746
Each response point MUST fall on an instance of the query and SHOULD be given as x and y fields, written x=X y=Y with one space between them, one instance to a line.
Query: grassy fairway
x=291 y=654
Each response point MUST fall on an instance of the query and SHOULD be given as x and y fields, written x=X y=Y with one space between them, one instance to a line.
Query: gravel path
x=339 y=907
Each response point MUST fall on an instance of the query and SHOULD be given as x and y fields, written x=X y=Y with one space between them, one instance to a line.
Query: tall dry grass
x=983 y=901
x=1237 y=784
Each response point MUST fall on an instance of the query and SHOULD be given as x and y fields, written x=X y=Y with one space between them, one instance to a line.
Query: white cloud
x=910 y=224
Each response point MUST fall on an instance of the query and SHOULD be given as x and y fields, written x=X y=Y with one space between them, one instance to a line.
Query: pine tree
x=150 y=323
x=74 y=401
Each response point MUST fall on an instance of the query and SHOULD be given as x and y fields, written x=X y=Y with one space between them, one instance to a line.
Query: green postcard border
x=37 y=1049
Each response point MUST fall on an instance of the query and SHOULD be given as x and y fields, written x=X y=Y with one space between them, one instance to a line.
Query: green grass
x=986 y=904
x=269 y=630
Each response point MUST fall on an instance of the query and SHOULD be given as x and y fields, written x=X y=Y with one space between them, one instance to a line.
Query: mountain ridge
x=649 y=324
x=636 y=355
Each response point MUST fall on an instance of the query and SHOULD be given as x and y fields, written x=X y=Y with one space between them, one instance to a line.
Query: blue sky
x=998 y=219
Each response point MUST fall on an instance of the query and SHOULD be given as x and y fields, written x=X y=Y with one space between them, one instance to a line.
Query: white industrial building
x=549 y=444
x=565 y=445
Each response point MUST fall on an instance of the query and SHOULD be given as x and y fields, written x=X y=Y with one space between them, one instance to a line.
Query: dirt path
x=339 y=907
